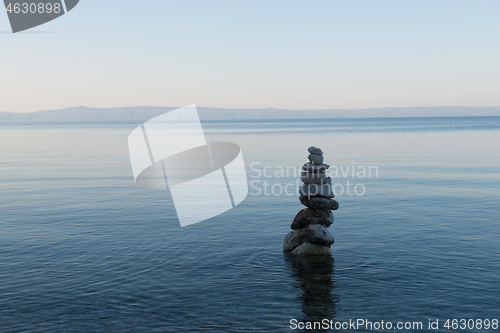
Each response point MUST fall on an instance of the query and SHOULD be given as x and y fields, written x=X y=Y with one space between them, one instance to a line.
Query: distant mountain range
x=142 y=113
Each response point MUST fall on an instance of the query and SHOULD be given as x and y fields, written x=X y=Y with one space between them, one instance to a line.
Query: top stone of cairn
x=314 y=150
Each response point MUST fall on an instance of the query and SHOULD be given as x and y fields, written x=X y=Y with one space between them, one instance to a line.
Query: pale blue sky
x=256 y=54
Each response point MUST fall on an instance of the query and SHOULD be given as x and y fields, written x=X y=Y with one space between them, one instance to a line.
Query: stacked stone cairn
x=309 y=235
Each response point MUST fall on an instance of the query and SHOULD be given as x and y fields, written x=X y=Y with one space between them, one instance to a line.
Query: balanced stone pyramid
x=309 y=235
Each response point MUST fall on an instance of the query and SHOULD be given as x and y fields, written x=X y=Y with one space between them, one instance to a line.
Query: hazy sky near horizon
x=255 y=54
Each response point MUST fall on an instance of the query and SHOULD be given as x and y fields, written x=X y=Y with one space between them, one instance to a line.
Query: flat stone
x=314 y=150
x=328 y=221
x=313 y=177
x=319 y=190
x=312 y=216
x=292 y=240
x=310 y=167
x=319 y=203
x=316 y=234
x=308 y=249
x=315 y=158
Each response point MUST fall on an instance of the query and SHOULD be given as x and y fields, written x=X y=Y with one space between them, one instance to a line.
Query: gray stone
x=319 y=203
x=313 y=177
x=310 y=167
x=292 y=240
x=308 y=249
x=320 y=190
x=312 y=216
x=328 y=221
x=315 y=158
x=316 y=234
x=314 y=150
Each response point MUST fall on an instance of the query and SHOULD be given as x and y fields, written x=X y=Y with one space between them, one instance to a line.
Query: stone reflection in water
x=315 y=276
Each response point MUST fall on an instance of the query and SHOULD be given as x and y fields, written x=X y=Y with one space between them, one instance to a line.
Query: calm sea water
x=83 y=249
